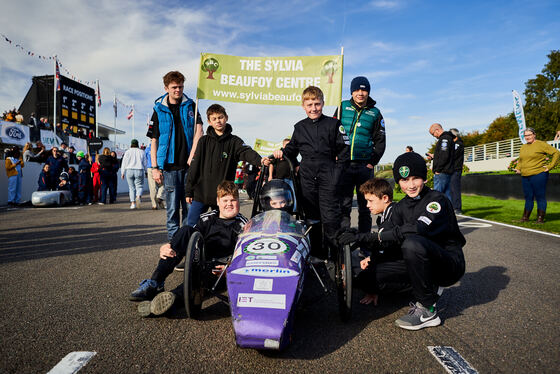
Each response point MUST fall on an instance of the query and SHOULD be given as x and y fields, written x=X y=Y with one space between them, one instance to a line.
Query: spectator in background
x=114 y=176
x=84 y=180
x=29 y=156
x=44 y=181
x=557 y=136
x=96 y=178
x=41 y=150
x=74 y=180
x=106 y=165
x=58 y=129
x=443 y=157
x=409 y=148
x=536 y=158
x=156 y=189
x=455 y=181
x=34 y=131
x=71 y=155
x=19 y=118
x=64 y=150
x=14 y=163
x=57 y=164
x=133 y=166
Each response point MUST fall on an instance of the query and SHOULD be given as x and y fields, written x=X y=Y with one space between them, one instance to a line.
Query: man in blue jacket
x=174 y=136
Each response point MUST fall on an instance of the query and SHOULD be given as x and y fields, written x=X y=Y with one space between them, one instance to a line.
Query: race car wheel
x=343 y=268
x=193 y=285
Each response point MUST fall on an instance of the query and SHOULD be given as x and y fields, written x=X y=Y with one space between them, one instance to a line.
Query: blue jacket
x=148 y=152
x=166 y=141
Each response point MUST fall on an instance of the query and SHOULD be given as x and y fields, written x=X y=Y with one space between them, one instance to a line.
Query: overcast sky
x=453 y=62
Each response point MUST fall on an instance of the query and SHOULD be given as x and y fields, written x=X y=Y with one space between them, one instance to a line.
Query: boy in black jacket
x=219 y=229
x=215 y=160
x=425 y=228
x=378 y=270
x=323 y=145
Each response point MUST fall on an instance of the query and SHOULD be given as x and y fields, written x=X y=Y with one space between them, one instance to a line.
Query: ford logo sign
x=15 y=133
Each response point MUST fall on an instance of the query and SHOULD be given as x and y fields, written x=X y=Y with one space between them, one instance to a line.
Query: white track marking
x=511 y=226
x=72 y=363
x=451 y=360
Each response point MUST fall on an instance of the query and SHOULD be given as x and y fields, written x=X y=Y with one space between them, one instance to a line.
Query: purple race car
x=266 y=273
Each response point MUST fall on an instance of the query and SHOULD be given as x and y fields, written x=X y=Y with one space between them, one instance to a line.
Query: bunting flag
x=57 y=76
x=98 y=95
x=130 y=114
x=43 y=57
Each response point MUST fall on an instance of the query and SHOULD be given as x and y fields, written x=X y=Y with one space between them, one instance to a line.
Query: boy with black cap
x=365 y=128
x=424 y=225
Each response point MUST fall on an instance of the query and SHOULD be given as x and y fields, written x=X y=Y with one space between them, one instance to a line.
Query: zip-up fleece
x=216 y=160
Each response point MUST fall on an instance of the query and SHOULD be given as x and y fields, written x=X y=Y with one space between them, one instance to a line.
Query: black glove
x=353 y=236
x=347 y=236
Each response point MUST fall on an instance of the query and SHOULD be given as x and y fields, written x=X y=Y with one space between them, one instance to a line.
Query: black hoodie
x=216 y=160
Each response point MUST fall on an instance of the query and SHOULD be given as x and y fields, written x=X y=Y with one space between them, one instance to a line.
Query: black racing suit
x=431 y=243
x=323 y=146
x=220 y=237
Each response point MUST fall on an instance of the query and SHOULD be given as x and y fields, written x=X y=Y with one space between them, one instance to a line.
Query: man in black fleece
x=215 y=160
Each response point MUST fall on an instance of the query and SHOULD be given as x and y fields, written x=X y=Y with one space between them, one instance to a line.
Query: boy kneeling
x=424 y=227
x=219 y=229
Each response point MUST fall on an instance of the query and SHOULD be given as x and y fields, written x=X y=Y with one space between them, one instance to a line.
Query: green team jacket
x=365 y=128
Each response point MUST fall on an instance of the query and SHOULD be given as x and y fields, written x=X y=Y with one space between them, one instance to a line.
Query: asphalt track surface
x=66 y=274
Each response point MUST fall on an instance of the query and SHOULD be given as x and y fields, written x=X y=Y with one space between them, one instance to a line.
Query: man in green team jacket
x=365 y=128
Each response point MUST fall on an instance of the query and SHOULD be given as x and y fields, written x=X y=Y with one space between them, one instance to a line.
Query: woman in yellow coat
x=536 y=158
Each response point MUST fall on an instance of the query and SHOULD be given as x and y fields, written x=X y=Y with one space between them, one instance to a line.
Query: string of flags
x=43 y=57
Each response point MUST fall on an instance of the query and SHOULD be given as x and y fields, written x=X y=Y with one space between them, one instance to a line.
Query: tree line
x=542 y=109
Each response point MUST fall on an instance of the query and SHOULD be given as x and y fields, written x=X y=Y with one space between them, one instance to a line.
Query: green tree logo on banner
x=210 y=65
x=329 y=68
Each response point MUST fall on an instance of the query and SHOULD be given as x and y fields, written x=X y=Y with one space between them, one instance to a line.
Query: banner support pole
x=339 y=115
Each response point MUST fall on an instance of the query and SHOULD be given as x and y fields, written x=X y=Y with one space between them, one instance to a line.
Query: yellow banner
x=268 y=80
x=265 y=147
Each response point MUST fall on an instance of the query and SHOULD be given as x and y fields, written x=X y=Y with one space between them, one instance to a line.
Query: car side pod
x=262 y=320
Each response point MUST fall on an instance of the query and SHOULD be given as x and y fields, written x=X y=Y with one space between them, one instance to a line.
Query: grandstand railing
x=503 y=149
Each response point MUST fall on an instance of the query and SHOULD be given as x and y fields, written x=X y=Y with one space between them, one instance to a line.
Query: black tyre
x=343 y=268
x=193 y=285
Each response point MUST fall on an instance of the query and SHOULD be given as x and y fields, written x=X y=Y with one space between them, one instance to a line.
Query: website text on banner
x=268 y=80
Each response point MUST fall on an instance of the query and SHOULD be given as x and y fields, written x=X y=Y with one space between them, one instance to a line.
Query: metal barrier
x=502 y=149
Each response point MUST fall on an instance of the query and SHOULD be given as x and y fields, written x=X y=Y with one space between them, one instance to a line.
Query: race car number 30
x=267 y=246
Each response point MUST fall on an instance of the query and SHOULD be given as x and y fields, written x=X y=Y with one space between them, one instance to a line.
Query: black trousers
x=166 y=266
x=425 y=266
x=352 y=178
x=455 y=189
x=319 y=185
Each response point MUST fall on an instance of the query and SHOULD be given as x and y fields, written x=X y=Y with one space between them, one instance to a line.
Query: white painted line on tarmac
x=511 y=226
x=451 y=360
x=72 y=363
x=477 y=225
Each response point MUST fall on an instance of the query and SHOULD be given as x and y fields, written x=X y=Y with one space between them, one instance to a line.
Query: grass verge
x=507 y=211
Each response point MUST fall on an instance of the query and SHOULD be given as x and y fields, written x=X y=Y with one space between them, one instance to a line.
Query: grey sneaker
x=418 y=317
x=180 y=267
x=147 y=290
x=158 y=306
